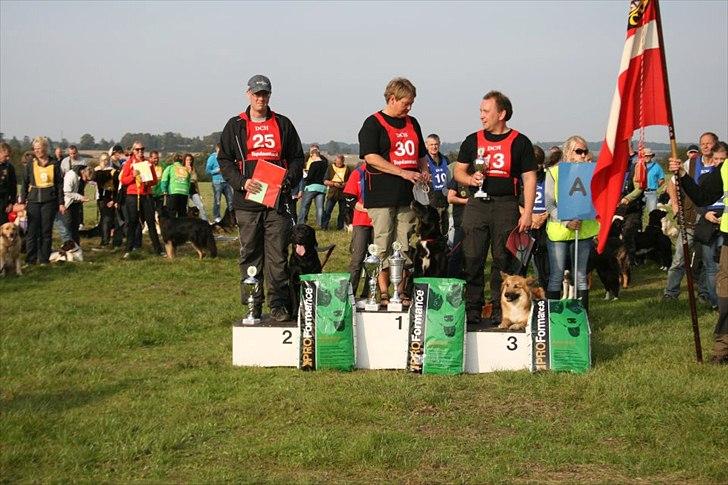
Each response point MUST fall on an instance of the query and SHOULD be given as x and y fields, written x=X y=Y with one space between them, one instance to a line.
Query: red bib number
x=263 y=139
x=496 y=154
x=403 y=143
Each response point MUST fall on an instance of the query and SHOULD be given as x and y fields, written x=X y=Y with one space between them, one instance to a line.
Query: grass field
x=121 y=371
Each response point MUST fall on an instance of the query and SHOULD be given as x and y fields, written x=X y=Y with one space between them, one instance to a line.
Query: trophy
x=372 y=267
x=396 y=266
x=481 y=164
x=252 y=283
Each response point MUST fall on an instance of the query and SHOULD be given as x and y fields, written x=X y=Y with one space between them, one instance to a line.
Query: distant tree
x=87 y=142
x=64 y=143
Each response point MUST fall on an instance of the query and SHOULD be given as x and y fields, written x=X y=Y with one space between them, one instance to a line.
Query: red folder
x=271 y=177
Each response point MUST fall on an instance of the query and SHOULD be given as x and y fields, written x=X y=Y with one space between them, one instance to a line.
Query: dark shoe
x=280 y=314
x=583 y=295
x=666 y=297
x=719 y=359
x=553 y=295
x=473 y=318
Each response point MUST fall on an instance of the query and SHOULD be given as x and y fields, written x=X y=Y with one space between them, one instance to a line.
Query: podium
x=381 y=339
x=490 y=349
x=267 y=344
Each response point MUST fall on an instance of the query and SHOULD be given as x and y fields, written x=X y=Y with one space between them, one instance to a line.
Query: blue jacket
x=213 y=168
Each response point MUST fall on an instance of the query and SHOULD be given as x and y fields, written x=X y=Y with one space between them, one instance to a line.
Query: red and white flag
x=640 y=99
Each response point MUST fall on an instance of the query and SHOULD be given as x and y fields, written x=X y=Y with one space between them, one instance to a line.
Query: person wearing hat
x=695 y=166
x=259 y=133
x=655 y=180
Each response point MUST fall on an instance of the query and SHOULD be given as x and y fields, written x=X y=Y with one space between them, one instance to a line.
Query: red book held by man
x=271 y=177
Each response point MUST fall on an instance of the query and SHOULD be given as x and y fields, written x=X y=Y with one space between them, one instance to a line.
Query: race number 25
x=264 y=141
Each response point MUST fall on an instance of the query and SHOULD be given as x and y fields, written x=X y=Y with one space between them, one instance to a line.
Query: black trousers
x=106 y=216
x=40 y=231
x=361 y=238
x=264 y=239
x=120 y=222
x=138 y=209
x=73 y=218
x=486 y=225
x=177 y=204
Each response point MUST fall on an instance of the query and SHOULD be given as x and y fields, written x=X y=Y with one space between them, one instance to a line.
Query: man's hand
x=476 y=179
x=574 y=225
x=110 y=204
x=624 y=201
x=676 y=166
x=411 y=176
x=711 y=216
x=425 y=176
x=539 y=220
x=62 y=209
x=524 y=222
x=252 y=186
x=84 y=199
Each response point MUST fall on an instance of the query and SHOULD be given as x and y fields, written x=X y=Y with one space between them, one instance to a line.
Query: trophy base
x=481 y=195
x=371 y=307
x=250 y=321
x=394 y=307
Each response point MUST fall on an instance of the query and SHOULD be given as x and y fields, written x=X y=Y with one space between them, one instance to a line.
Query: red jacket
x=127 y=178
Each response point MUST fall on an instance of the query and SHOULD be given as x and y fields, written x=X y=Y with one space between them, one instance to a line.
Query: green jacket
x=176 y=180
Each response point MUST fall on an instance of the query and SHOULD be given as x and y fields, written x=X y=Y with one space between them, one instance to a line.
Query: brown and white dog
x=10 y=248
x=517 y=293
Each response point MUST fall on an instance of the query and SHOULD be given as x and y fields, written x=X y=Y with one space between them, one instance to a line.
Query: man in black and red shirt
x=259 y=133
x=493 y=157
x=391 y=144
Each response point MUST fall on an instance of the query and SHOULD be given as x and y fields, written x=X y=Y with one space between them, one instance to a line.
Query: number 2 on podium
x=287 y=334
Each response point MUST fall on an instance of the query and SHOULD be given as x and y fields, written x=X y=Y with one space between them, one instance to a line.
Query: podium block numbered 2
x=267 y=344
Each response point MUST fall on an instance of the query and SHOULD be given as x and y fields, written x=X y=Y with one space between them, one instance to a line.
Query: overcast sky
x=111 y=68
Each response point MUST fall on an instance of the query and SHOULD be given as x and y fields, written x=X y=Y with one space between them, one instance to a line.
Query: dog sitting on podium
x=517 y=293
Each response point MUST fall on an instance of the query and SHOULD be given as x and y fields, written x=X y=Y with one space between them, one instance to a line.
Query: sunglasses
x=139 y=149
x=579 y=151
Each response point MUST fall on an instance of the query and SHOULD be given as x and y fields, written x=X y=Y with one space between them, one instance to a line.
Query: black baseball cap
x=693 y=148
x=259 y=83
x=116 y=149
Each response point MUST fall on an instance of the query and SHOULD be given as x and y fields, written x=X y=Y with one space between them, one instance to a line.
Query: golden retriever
x=10 y=248
x=517 y=293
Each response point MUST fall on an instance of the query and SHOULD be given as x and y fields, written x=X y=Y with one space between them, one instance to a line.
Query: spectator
x=337 y=175
x=176 y=185
x=195 y=196
x=654 y=181
x=74 y=198
x=391 y=144
x=539 y=216
x=457 y=197
x=72 y=160
x=361 y=236
x=219 y=186
x=631 y=209
x=438 y=165
x=106 y=178
x=138 y=202
x=8 y=183
x=117 y=160
x=58 y=154
x=42 y=191
x=562 y=234
x=313 y=187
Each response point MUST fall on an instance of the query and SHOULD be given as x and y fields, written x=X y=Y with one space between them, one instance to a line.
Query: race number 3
x=495 y=161
x=404 y=148
x=263 y=141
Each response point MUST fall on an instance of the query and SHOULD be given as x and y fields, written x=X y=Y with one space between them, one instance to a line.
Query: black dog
x=179 y=230
x=304 y=260
x=431 y=249
x=612 y=265
x=652 y=242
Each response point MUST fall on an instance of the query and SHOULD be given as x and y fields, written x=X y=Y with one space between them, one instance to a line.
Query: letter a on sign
x=575 y=200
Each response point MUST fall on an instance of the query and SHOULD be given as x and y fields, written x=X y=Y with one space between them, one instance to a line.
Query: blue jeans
x=710 y=268
x=561 y=258
x=61 y=226
x=218 y=190
x=309 y=196
x=677 y=269
x=330 y=203
x=650 y=201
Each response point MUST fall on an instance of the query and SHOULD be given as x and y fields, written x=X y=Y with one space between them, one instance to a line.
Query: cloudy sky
x=111 y=68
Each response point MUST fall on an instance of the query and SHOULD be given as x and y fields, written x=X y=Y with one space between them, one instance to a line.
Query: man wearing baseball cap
x=259 y=133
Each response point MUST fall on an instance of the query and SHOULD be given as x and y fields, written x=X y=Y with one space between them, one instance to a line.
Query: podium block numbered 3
x=490 y=350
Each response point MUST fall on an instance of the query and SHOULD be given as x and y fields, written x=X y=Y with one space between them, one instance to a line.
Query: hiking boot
x=666 y=297
x=280 y=314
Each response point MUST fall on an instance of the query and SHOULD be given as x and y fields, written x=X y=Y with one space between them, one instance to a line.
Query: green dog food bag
x=437 y=327
x=560 y=336
x=326 y=317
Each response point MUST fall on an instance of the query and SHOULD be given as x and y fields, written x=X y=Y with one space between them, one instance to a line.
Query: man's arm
x=229 y=155
x=529 y=196
x=461 y=175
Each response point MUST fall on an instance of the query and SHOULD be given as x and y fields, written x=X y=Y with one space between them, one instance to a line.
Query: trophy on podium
x=252 y=283
x=481 y=165
x=372 y=266
x=396 y=266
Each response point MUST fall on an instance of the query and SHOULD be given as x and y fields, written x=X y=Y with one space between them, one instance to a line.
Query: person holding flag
x=713 y=187
x=562 y=234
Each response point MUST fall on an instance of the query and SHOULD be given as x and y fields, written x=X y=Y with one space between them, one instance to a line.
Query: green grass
x=121 y=370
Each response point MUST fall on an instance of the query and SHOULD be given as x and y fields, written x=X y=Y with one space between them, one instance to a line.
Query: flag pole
x=680 y=211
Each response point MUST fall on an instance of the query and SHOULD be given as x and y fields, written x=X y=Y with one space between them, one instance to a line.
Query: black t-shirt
x=458 y=209
x=522 y=160
x=386 y=190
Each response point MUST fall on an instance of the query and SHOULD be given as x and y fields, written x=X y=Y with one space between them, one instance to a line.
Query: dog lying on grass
x=517 y=293
x=70 y=252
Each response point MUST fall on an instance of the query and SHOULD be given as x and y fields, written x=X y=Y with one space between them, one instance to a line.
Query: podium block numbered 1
x=267 y=344
x=492 y=350
x=381 y=339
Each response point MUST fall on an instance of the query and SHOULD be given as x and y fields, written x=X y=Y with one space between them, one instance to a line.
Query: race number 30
x=403 y=148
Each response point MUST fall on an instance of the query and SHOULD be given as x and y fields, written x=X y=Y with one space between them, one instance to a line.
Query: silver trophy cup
x=252 y=283
x=372 y=266
x=396 y=267
x=481 y=165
